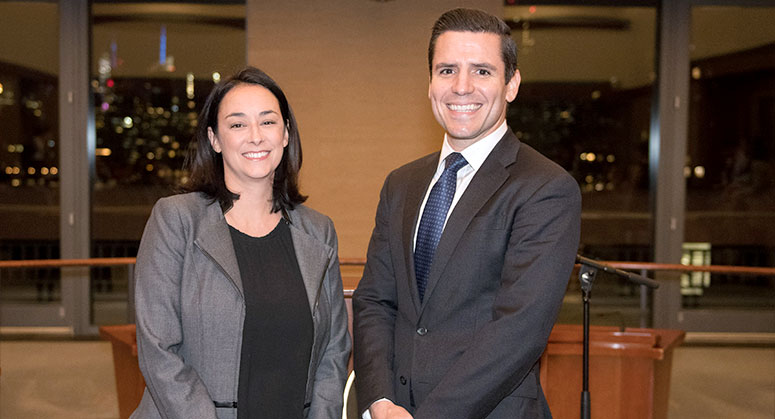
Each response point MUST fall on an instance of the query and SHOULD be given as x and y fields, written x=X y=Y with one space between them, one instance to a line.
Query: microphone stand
x=587 y=275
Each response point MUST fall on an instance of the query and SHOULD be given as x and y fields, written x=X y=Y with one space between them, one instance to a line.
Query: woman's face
x=251 y=136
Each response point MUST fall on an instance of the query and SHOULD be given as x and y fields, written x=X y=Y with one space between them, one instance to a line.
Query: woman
x=240 y=312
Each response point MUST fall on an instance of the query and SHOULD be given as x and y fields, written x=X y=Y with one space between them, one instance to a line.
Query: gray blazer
x=190 y=311
x=470 y=349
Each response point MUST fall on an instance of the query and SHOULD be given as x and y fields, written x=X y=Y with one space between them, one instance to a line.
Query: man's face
x=467 y=90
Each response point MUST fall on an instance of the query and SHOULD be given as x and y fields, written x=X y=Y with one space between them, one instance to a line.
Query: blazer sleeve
x=331 y=372
x=176 y=388
x=538 y=261
x=374 y=312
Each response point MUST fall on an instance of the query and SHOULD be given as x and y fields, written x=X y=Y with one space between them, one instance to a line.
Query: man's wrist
x=367 y=413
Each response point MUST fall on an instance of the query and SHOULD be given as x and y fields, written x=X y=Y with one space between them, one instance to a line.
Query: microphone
x=638 y=279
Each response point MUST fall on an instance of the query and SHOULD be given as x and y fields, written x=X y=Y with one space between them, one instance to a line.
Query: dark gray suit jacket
x=190 y=311
x=500 y=271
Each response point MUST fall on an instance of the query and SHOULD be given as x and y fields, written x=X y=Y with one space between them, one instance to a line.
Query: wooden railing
x=351 y=267
x=359 y=262
x=352 y=270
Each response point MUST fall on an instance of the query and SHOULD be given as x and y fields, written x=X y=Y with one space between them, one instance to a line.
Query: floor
x=75 y=379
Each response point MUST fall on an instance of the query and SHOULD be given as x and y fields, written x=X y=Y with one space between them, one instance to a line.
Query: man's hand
x=385 y=409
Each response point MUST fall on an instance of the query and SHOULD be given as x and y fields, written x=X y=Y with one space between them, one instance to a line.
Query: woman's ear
x=285 y=135
x=213 y=140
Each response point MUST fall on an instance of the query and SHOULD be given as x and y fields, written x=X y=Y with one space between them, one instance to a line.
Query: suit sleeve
x=175 y=387
x=331 y=372
x=374 y=312
x=537 y=265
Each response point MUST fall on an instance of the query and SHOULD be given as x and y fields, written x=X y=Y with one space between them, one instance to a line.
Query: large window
x=152 y=68
x=29 y=149
x=730 y=167
x=585 y=102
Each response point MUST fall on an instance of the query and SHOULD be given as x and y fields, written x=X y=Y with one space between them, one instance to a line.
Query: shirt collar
x=476 y=153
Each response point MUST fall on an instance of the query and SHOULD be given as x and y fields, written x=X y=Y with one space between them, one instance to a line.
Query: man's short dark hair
x=473 y=20
x=206 y=171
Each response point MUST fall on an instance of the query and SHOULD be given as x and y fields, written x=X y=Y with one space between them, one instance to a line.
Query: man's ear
x=512 y=87
x=213 y=140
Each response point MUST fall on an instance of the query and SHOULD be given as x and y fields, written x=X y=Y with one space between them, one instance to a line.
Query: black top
x=278 y=332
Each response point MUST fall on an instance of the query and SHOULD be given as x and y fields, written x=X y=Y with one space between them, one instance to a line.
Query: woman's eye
x=268 y=122
x=237 y=125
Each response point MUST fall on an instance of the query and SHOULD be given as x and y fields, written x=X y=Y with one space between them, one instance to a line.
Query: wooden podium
x=129 y=380
x=629 y=371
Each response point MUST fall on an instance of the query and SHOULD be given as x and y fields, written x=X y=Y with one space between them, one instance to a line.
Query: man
x=468 y=264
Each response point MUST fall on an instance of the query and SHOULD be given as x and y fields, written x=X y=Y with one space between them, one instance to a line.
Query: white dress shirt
x=475 y=155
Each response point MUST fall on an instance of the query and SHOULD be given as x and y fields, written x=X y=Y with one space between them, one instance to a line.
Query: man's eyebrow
x=485 y=65
x=445 y=65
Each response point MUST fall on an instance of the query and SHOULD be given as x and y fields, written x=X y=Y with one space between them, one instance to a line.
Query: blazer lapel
x=486 y=182
x=415 y=192
x=313 y=257
x=215 y=240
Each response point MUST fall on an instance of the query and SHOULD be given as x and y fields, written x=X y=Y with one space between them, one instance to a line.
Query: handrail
x=648 y=266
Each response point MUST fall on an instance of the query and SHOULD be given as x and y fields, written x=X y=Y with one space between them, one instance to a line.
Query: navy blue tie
x=433 y=217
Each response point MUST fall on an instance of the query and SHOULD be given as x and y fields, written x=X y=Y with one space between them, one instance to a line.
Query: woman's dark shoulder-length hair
x=205 y=166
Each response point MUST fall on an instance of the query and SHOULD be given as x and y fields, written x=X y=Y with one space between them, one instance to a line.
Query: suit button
x=422 y=331
x=402 y=379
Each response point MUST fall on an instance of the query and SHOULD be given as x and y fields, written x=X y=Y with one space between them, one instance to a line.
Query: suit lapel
x=486 y=182
x=312 y=256
x=415 y=192
x=215 y=240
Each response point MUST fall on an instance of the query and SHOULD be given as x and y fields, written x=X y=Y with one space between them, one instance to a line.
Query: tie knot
x=455 y=162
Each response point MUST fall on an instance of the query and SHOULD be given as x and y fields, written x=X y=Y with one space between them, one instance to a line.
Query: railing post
x=645 y=309
x=130 y=299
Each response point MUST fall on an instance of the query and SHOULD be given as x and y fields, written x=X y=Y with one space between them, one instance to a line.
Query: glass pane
x=730 y=167
x=153 y=66
x=29 y=151
x=585 y=102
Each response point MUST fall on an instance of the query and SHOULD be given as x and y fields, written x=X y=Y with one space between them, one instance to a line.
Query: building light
x=190 y=85
x=1 y=88
x=103 y=152
x=216 y=77
x=699 y=172
x=30 y=170
x=44 y=171
x=54 y=170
